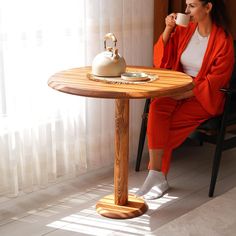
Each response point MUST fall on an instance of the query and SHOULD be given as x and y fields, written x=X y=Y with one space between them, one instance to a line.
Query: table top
x=75 y=81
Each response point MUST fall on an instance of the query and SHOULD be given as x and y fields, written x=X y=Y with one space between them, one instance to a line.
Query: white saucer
x=135 y=76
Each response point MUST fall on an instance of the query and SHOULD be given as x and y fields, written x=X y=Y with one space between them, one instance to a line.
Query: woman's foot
x=157 y=191
x=155 y=183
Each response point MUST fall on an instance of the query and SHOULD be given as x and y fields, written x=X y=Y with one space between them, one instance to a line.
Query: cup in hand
x=182 y=19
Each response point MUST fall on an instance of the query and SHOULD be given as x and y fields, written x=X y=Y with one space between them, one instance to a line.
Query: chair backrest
x=233 y=77
x=234 y=48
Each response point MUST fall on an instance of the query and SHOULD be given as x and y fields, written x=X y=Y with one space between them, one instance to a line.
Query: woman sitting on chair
x=203 y=50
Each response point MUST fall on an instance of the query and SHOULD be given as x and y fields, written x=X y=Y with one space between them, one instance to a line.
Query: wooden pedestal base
x=134 y=207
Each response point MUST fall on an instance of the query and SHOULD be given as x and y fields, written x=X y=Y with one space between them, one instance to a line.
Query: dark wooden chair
x=212 y=131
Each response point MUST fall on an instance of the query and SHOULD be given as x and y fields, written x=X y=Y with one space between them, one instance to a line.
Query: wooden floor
x=69 y=208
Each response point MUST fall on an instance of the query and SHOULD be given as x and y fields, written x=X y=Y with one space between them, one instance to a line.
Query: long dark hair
x=219 y=14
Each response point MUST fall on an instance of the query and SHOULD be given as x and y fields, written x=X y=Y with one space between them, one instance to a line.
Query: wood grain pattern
x=133 y=208
x=75 y=81
x=121 y=151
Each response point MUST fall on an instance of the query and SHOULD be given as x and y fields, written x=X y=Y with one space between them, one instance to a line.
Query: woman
x=204 y=50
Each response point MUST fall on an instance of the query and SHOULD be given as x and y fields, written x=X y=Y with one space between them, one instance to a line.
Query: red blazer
x=216 y=67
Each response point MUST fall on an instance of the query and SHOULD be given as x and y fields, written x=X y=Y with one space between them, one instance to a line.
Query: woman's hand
x=170 y=21
x=170 y=25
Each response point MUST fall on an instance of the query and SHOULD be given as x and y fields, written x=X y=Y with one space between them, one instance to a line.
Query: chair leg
x=219 y=146
x=215 y=167
x=141 y=144
x=142 y=135
x=217 y=159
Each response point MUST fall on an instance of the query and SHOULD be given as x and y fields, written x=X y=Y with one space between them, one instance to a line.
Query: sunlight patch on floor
x=87 y=221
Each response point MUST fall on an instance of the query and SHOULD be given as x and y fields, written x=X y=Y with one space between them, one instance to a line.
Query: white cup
x=182 y=19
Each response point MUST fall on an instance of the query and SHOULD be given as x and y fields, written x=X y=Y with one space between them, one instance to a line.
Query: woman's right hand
x=170 y=25
x=170 y=21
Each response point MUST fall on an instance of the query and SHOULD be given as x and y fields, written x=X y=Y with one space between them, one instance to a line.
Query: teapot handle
x=109 y=36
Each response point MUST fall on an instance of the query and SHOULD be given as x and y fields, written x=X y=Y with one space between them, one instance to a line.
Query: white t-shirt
x=192 y=57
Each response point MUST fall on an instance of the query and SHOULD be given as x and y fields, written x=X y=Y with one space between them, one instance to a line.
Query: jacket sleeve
x=207 y=87
x=164 y=56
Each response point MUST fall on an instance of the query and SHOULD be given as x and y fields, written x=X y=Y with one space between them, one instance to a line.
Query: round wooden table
x=121 y=205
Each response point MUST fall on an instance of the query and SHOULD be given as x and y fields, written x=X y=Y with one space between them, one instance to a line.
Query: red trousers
x=170 y=122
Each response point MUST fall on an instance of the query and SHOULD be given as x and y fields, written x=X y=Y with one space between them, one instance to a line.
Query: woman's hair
x=219 y=14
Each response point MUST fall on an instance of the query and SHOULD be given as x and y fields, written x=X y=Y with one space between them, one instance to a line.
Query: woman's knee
x=163 y=105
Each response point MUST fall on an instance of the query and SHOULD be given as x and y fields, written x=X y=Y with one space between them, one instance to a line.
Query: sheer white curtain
x=47 y=136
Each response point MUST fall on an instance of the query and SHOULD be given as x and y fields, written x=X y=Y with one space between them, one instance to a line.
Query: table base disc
x=134 y=207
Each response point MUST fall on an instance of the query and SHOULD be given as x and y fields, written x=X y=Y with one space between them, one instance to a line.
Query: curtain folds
x=47 y=136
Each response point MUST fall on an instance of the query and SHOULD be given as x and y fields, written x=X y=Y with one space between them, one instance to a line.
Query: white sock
x=157 y=191
x=154 y=178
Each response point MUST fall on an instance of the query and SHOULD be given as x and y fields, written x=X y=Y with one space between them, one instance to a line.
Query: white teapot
x=110 y=62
